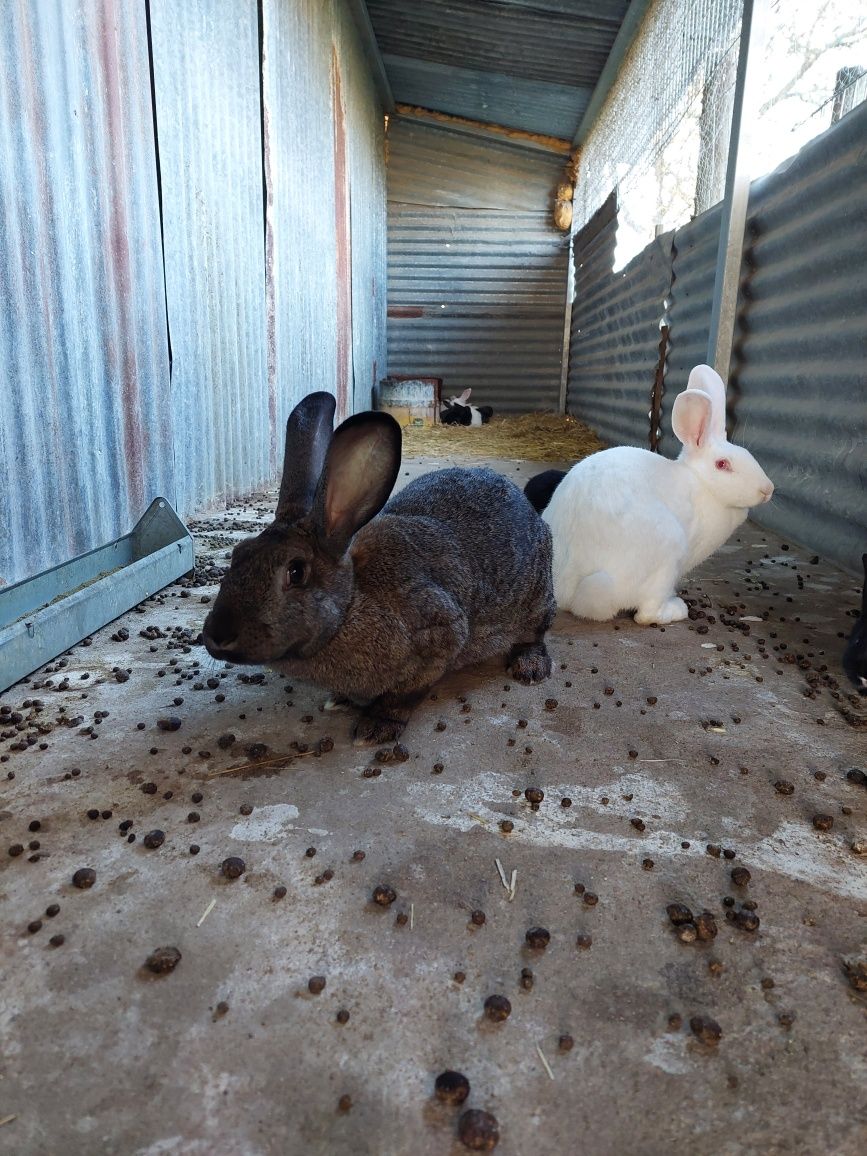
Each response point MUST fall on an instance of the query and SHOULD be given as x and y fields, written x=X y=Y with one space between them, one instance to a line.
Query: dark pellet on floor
x=84 y=877
x=342 y=1016
x=478 y=918
x=459 y=976
x=497 y=1008
x=706 y=1029
x=357 y=856
x=583 y=940
x=16 y=849
x=678 y=913
x=451 y=1087
x=52 y=909
x=784 y=787
x=316 y=984
x=279 y=892
x=383 y=895
x=591 y=898
x=526 y=979
x=310 y=852
x=478 y=1130
x=823 y=822
x=647 y=864
x=705 y=926
x=344 y=1104
x=34 y=925
x=538 y=938
x=534 y=795
x=233 y=867
x=740 y=876
x=194 y=848
x=246 y=809
x=565 y=1043
x=506 y=826
x=154 y=839
x=57 y=940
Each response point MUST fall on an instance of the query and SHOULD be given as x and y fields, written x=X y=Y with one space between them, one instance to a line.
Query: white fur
x=628 y=523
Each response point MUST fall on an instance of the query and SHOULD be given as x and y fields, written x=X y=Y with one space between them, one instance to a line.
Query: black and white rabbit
x=458 y=411
x=376 y=606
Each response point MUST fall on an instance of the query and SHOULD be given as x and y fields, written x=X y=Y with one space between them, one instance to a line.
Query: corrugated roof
x=526 y=64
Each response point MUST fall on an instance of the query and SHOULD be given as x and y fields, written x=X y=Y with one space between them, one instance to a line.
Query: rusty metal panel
x=614 y=344
x=206 y=75
x=476 y=271
x=85 y=430
x=528 y=65
x=799 y=369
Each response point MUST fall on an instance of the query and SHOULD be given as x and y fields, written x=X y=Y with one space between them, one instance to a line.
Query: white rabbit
x=627 y=523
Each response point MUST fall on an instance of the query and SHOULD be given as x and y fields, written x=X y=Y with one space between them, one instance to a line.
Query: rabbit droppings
x=454 y=570
x=627 y=523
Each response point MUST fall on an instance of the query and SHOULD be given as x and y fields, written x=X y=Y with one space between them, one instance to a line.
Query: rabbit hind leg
x=594 y=597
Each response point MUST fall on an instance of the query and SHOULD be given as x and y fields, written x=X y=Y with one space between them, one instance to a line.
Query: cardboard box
x=412 y=401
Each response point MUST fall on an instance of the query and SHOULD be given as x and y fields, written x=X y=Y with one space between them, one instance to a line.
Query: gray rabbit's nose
x=220 y=630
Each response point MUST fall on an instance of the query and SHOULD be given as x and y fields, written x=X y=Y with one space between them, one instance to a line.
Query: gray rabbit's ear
x=361 y=468
x=308 y=435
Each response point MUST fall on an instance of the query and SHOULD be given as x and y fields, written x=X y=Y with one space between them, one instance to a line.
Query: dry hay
x=537 y=437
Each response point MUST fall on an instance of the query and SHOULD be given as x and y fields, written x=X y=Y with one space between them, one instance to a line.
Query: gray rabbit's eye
x=296 y=572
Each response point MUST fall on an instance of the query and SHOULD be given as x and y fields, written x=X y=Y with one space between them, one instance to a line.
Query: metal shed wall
x=85 y=418
x=99 y=421
x=799 y=370
x=615 y=330
x=476 y=271
x=206 y=75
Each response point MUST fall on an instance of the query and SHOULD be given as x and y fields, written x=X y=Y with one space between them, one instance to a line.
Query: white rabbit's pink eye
x=723 y=464
x=295 y=573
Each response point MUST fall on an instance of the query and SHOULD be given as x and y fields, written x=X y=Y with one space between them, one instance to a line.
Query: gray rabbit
x=455 y=569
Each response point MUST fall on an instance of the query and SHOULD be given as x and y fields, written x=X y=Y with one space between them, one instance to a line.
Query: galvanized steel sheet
x=616 y=331
x=531 y=66
x=799 y=367
x=85 y=421
x=476 y=285
x=206 y=75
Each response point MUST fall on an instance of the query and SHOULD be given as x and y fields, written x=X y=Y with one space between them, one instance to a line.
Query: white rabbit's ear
x=464 y=398
x=691 y=417
x=708 y=381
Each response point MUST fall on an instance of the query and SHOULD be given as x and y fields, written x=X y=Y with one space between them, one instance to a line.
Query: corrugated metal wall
x=206 y=75
x=798 y=384
x=85 y=422
x=615 y=330
x=799 y=369
x=100 y=421
x=476 y=271
x=326 y=243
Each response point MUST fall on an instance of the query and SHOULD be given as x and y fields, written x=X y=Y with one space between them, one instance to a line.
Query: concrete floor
x=686 y=729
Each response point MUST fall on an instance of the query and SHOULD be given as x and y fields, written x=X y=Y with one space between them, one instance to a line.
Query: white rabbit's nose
x=767 y=491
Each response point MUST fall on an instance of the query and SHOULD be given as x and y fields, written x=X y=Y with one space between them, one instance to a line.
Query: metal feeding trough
x=43 y=616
